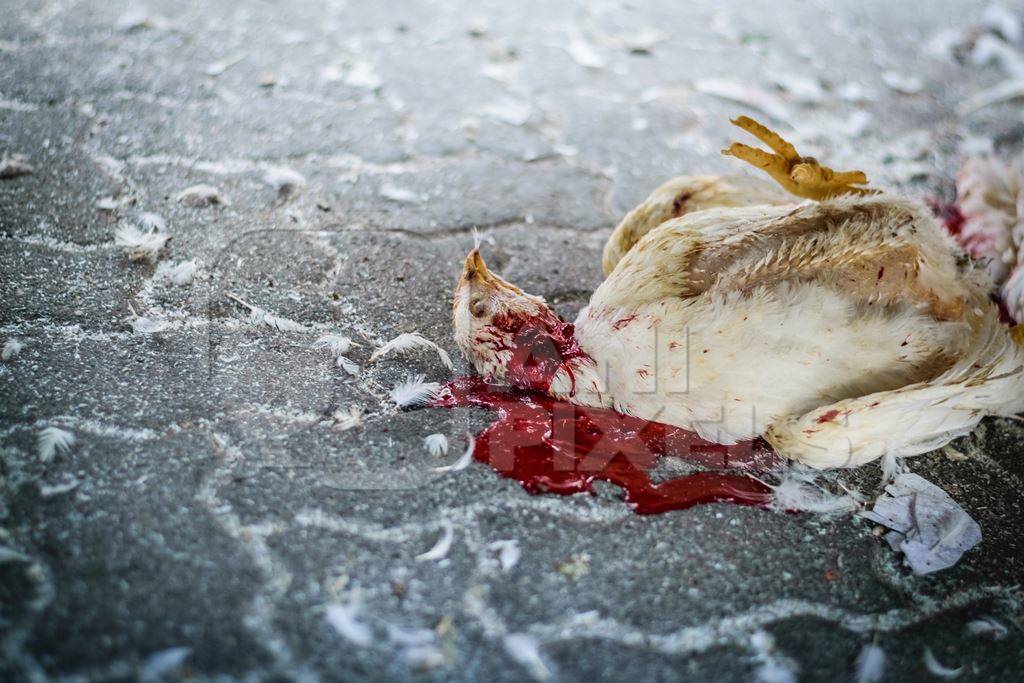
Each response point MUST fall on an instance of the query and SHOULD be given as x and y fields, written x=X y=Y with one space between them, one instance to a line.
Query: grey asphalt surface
x=212 y=501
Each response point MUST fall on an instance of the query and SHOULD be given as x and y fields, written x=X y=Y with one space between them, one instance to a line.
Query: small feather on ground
x=443 y=545
x=772 y=666
x=12 y=347
x=285 y=180
x=180 y=273
x=987 y=626
x=936 y=668
x=436 y=444
x=202 y=195
x=525 y=649
x=14 y=165
x=399 y=194
x=349 y=419
x=414 y=391
x=798 y=492
x=141 y=245
x=262 y=318
x=411 y=340
x=51 y=490
x=463 y=462
x=160 y=664
x=11 y=555
x=339 y=345
x=870 y=664
x=54 y=440
x=219 y=67
x=344 y=620
x=145 y=325
x=508 y=553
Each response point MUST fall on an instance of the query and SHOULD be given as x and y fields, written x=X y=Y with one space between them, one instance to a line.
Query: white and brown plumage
x=840 y=330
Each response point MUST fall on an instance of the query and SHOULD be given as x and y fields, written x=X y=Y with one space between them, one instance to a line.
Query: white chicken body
x=726 y=366
x=739 y=322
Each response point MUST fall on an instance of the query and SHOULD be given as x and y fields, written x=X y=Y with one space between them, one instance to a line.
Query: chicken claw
x=801 y=176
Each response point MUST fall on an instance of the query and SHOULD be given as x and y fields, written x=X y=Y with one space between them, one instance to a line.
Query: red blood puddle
x=554 y=446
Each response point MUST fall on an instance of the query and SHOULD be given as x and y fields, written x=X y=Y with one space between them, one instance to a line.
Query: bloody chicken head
x=492 y=318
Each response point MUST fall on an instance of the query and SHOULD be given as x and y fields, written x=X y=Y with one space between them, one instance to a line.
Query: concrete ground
x=214 y=519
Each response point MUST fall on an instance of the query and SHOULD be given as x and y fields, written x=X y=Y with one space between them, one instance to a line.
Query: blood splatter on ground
x=554 y=446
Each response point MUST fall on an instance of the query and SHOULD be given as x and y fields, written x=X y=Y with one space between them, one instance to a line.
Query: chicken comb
x=798 y=175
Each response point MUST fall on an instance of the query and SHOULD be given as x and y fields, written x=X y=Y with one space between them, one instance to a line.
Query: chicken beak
x=476 y=274
x=475 y=268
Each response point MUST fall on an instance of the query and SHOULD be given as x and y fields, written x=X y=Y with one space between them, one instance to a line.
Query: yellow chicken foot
x=801 y=176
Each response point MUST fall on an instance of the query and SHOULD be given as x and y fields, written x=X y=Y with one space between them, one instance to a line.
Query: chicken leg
x=799 y=175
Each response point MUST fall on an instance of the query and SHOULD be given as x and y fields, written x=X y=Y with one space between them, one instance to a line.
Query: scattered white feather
x=344 y=620
x=283 y=179
x=136 y=19
x=159 y=664
x=338 y=344
x=902 y=83
x=508 y=553
x=953 y=454
x=935 y=667
x=412 y=340
x=202 y=195
x=410 y=636
x=422 y=656
x=141 y=244
x=525 y=649
x=1005 y=91
x=51 y=490
x=1004 y=21
x=463 y=462
x=180 y=273
x=262 y=318
x=348 y=365
x=584 y=53
x=399 y=194
x=12 y=347
x=106 y=204
x=891 y=466
x=443 y=545
x=436 y=444
x=870 y=664
x=152 y=221
x=11 y=555
x=219 y=67
x=643 y=41
x=349 y=419
x=414 y=391
x=53 y=440
x=773 y=667
x=796 y=492
x=987 y=626
x=14 y=165
x=144 y=325
x=418 y=646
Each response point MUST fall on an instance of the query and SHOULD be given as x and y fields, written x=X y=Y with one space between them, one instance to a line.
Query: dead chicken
x=841 y=329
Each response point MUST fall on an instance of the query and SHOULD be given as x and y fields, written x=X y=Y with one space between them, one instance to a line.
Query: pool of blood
x=554 y=446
